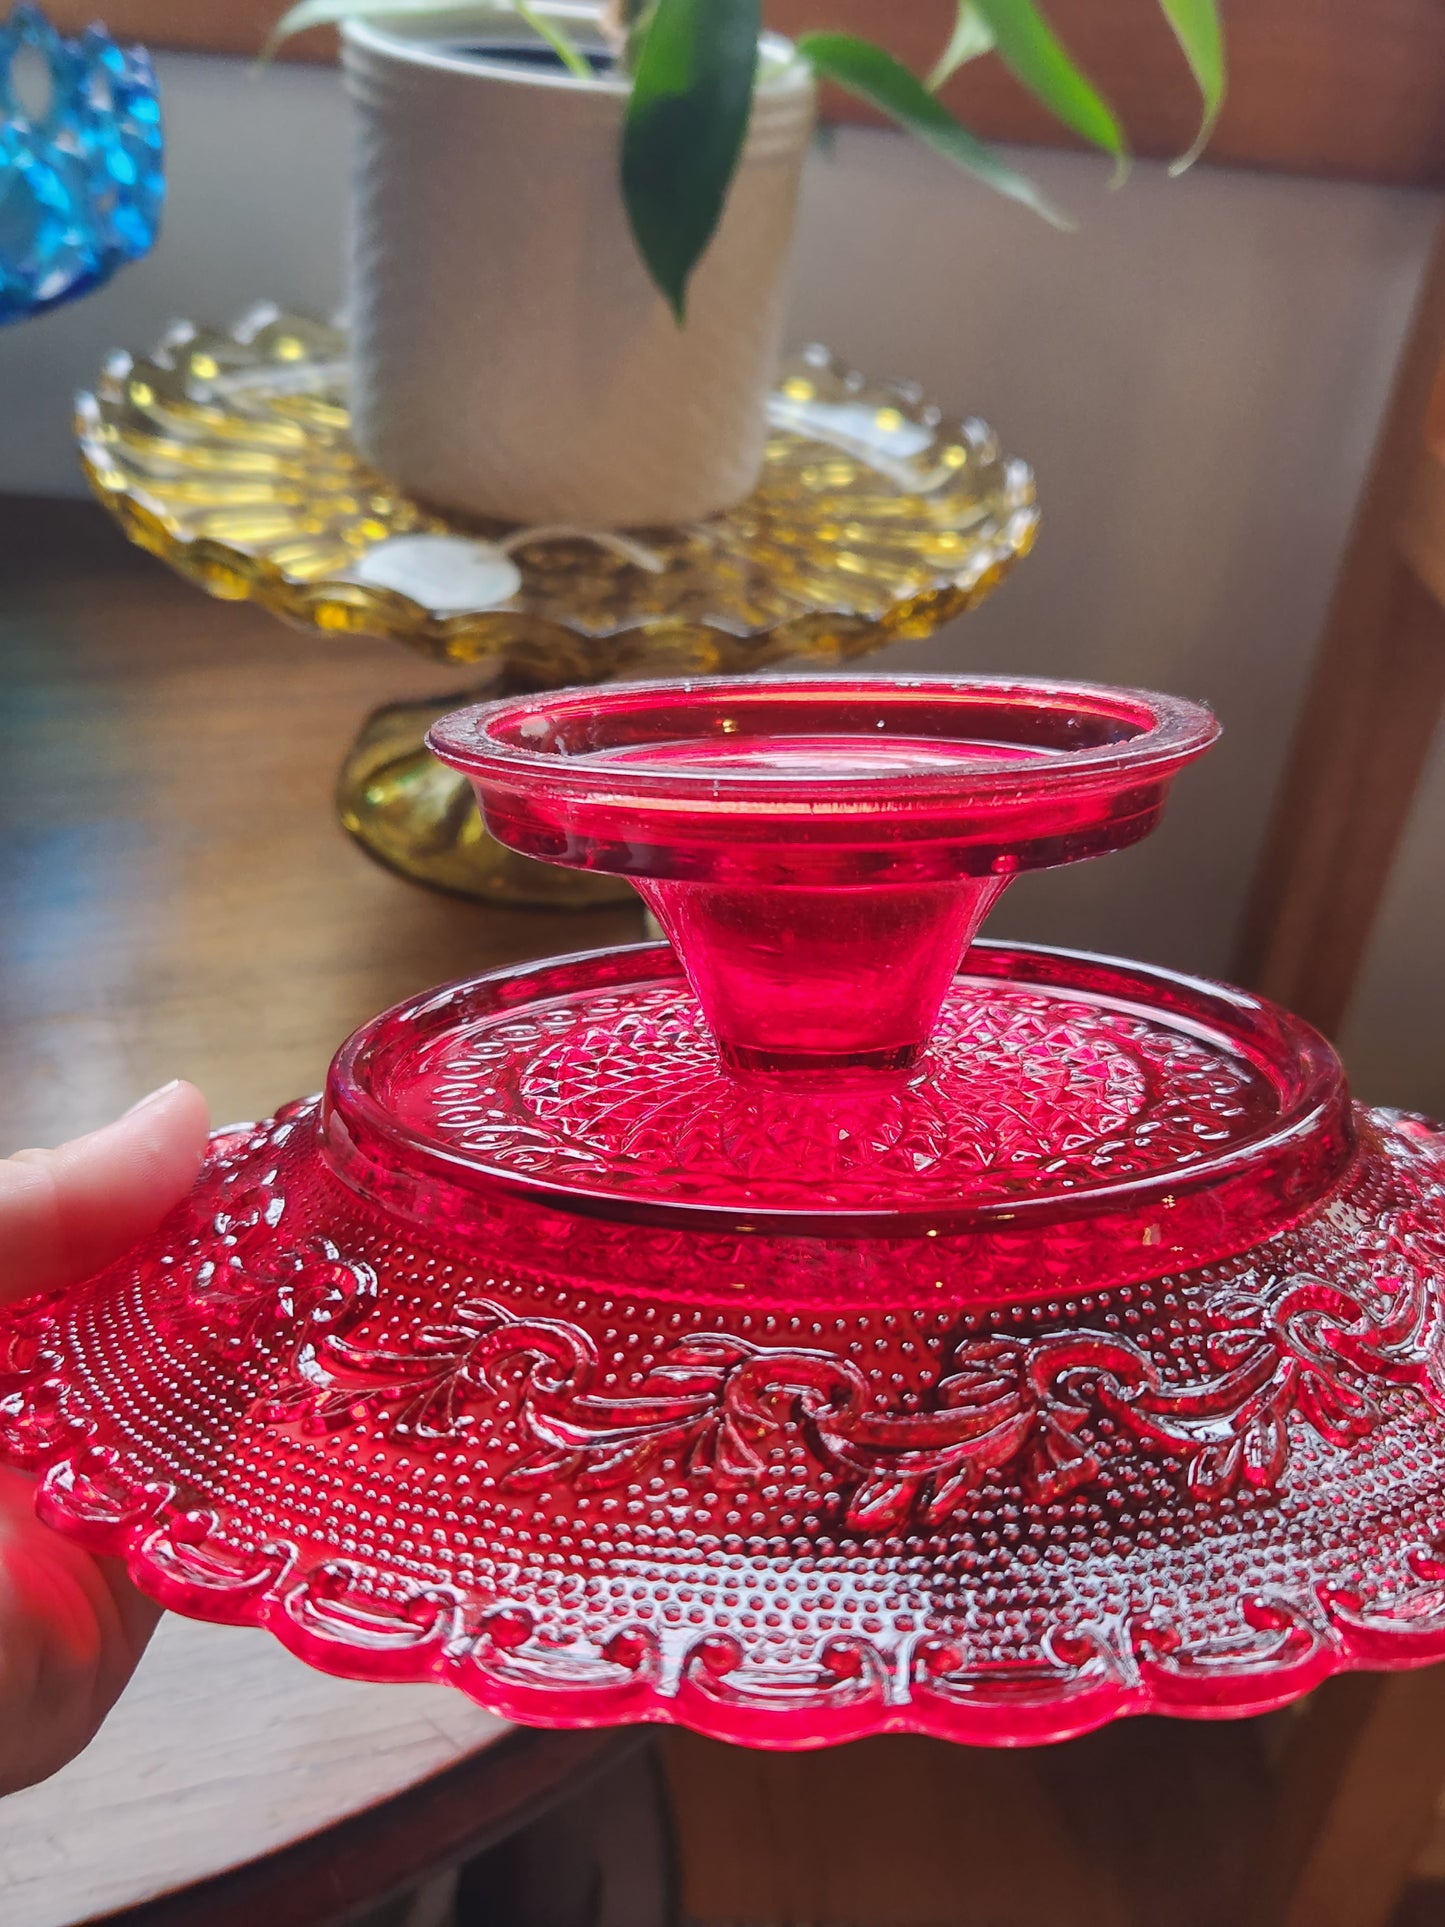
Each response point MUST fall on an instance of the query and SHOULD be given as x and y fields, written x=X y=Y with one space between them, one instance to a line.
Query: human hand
x=72 y=1627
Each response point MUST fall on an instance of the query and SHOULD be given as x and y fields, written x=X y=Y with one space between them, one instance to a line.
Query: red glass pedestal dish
x=1083 y=1355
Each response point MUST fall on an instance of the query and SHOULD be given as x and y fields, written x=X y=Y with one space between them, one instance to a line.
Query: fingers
x=66 y=1213
x=72 y=1627
x=71 y=1631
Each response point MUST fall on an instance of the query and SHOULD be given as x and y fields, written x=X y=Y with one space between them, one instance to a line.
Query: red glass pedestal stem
x=830 y=981
x=822 y=851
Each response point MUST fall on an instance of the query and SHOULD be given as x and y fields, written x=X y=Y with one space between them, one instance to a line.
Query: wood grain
x=1324 y=87
x=1360 y=1790
x=178 y=899
x=1151 y=1823
x=225 y=1787
x=1370 y=716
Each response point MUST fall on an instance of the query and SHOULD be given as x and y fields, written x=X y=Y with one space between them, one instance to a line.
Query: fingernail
x=151 y=1097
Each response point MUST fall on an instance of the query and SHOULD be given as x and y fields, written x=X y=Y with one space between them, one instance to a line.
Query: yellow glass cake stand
x=228 y=454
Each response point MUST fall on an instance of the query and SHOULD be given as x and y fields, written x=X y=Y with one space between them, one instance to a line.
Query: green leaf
x=1033 y=53
x=1197 y=29
x=327 y=13
x=686 y=123
x=971 y=37
x=875 y=76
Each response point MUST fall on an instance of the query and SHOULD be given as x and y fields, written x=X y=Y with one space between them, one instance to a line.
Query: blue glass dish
x=82 y=167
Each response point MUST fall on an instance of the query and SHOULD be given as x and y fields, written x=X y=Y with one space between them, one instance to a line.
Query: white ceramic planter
x=512 y=358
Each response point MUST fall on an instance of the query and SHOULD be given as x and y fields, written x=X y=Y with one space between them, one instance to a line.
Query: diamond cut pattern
x=1021 y=1090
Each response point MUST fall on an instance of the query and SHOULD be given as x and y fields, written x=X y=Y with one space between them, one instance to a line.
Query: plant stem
x=623 y=23
x=555 y=38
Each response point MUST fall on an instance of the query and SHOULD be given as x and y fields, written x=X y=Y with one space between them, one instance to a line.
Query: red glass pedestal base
x=1096 y=1366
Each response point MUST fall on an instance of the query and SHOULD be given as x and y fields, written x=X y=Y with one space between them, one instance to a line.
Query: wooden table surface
x=233 y=1784
x=176 y=899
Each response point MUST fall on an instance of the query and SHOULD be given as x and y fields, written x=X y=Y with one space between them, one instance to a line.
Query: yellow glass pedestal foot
x=419 y=818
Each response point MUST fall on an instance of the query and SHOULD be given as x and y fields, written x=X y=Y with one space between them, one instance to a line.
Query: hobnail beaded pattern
x=1199 y=1493
x=82 y=172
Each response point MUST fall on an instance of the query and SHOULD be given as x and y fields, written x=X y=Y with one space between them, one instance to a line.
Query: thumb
x=66 y=1213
